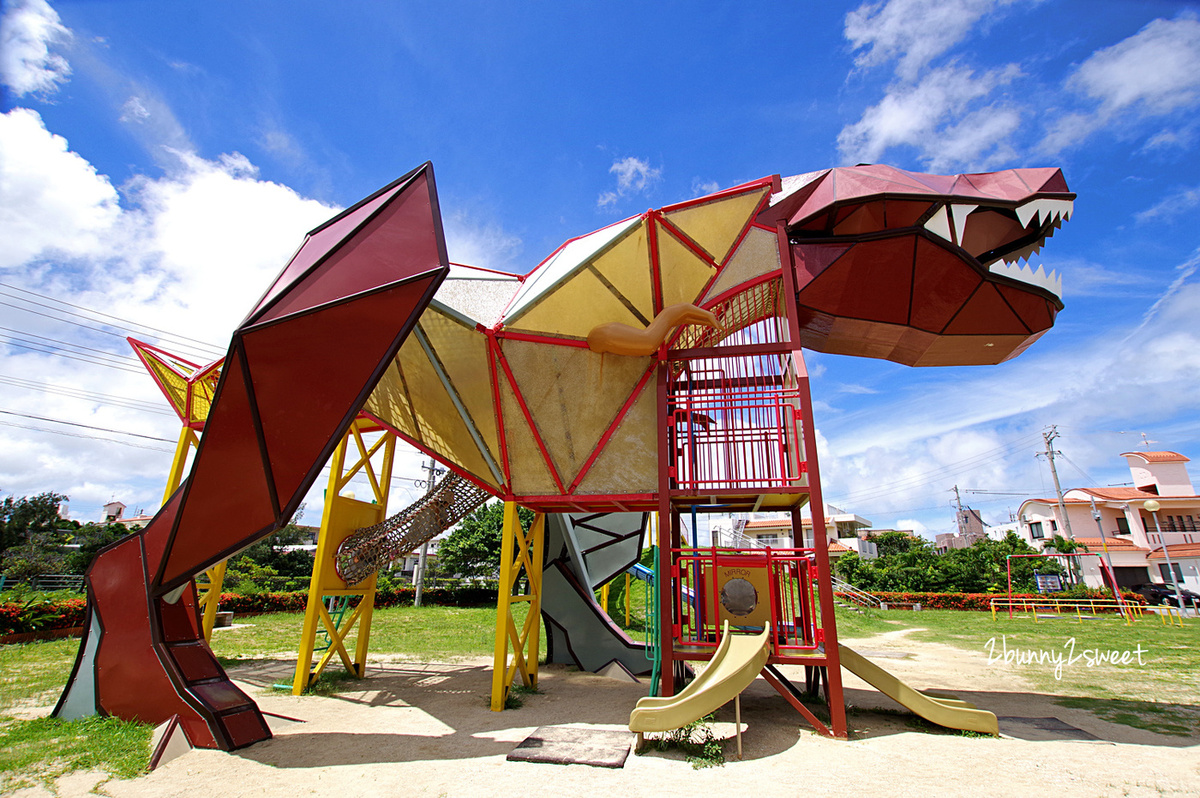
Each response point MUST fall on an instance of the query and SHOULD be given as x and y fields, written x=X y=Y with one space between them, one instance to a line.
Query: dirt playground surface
x=424 y=729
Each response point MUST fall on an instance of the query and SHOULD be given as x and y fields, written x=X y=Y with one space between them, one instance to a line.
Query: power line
x=91 y=396
x=78 y=435
x=88 y=360
x=930 y=477
x=78 y=349
x=124 y=323
x=84 y=426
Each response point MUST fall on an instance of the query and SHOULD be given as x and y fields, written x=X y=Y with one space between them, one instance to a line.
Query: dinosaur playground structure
x=654 y=367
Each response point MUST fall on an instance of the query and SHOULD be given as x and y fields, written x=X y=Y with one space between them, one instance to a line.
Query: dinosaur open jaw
x=1003 y=238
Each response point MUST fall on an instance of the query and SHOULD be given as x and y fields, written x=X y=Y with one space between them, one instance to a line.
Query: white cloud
x=902 y=453
x=937 y=117
x=1153 y=73
x=52 y=201
x=634 y=176
x=913 y=32
x=701 y=187
x=29 y=30
x=1175 y=204
x=189 y=252
x=473 y=243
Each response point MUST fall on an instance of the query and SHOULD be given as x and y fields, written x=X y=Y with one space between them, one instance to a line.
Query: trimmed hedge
x=980 y=602
x=41 y=614
x=36 y=615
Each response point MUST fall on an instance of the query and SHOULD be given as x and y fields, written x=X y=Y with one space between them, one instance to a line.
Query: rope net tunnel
x=371 y=548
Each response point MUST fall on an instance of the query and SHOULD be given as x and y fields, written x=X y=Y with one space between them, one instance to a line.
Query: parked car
x=1160 y=593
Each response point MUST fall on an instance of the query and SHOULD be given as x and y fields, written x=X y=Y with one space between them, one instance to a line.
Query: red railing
x=736 y=423
x=747 y=587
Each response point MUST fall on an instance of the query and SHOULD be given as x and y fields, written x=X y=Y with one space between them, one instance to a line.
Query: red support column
x=666 y=524
x=833 y=683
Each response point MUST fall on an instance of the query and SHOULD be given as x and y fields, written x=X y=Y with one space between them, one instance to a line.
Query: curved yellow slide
x=948 y=712
x=736 y=664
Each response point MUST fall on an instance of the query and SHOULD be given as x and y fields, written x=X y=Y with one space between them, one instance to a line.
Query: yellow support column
x=520 y=550
x=343 y=515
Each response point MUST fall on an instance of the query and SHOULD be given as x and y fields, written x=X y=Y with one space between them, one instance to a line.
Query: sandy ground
x=425 y=729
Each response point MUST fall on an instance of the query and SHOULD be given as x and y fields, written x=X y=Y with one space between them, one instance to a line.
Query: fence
x=1080 y=608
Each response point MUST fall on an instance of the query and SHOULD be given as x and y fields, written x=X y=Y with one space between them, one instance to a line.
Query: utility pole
x=1049 y=437
x=419 y=576
x=958 y=518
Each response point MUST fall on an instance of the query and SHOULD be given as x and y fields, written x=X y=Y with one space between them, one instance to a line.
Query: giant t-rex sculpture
x=510 y=382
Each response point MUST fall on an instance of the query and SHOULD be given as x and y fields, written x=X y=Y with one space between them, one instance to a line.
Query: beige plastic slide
x=736 y=664
x=948 y=712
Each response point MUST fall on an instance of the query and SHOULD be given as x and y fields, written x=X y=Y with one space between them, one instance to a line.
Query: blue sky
x=160 y=161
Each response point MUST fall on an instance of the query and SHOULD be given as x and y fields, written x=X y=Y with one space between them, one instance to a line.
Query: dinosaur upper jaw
x=922 y=269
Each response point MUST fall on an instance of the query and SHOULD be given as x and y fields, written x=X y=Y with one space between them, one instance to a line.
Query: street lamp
x=1152 y=507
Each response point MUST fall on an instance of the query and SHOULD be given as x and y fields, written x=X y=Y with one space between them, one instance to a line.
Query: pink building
x=1118 y=515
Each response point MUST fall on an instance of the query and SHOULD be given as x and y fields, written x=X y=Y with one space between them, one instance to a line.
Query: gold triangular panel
x=389 y=401
x=575 y=307
x=528 y=472
x=173 y=384
x=627 y=268
x=629 y=462
x=463 y=353
x=440 y=428
x=572 y=414
x=716 y=225
x=757 y=255
x=683 y=273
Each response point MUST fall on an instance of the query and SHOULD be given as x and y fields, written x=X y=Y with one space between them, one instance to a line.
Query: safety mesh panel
x=371 y=548
x=757 y=255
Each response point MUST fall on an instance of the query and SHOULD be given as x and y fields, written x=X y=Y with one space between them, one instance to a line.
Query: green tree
x=32 y=535
x=473 y=547
x=90 y=538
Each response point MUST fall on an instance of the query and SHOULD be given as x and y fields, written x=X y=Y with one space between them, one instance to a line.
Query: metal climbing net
x=368 y=549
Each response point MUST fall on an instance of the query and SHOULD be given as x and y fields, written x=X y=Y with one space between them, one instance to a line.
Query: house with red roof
x=1116 y=521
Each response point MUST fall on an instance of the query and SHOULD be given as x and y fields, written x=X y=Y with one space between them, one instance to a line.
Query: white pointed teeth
x=1051 y=282
x=939 y=223
x=1053 y=210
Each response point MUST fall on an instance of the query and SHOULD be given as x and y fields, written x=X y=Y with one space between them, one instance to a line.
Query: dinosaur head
x=921 y=269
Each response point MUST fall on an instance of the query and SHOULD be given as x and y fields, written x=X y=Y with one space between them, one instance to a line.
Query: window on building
x=1122 y=525
x=1053 y=526
x=1191 y=524
x=1166 y=574
x=1035 y=530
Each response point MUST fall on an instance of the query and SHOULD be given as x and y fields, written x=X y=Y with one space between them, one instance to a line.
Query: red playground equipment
x=655 y=365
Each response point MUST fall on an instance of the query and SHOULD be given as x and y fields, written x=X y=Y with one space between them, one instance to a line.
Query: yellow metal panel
x=175 y=385
x=716 y=225
x=757 y=255
x=463 y=352
x=627 y=267
x=628 y=463
x=389 y=401
x=529 y=474
x=575 y=308
x=439 y=425
x=346 y=516
x=571 y=415
x=684 y=275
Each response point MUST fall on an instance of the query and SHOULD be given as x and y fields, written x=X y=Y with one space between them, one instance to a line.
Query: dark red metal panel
x=812 y=259
x=871 y=281
x=310 y=372
x=227 y=498
x=941 y=284
x=986 y=313
x=1035 y=311
x=400 y=240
